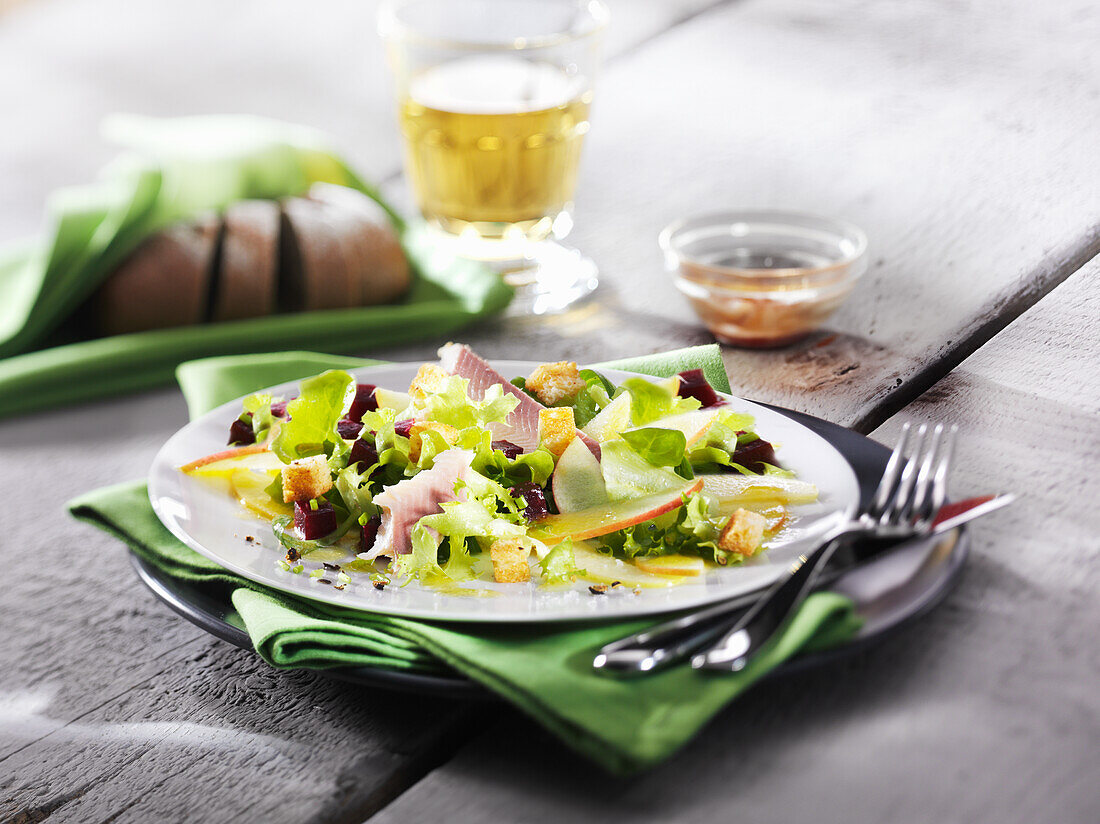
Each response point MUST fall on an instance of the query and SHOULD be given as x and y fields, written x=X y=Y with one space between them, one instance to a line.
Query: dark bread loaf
x=379 y=266
x=246 y=279
x=315 y=272
x=333 y=249
x=164 y=282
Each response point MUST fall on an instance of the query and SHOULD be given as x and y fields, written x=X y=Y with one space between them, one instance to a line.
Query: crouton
x=557 y=428
x=429 y=378
x=743 y=533
x=449 y=433
x=306 y=478
x=510 y=561
x=553 y=382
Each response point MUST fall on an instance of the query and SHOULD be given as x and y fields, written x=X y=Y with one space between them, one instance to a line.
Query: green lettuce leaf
x=559 y=566
x=313 y=416
x=257 y=412
x=661 y=447
x=650 y=402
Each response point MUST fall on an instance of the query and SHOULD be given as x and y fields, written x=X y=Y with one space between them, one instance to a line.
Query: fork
x=905 y=504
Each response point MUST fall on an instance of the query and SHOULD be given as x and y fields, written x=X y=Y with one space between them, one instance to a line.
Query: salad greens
x=490 y=500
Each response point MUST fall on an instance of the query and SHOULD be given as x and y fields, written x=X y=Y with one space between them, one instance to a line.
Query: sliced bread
x=163 y=283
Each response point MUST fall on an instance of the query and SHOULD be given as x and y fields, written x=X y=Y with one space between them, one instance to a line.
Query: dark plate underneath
x=210 y=608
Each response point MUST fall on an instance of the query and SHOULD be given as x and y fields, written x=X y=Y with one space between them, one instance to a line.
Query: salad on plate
x=467 y=479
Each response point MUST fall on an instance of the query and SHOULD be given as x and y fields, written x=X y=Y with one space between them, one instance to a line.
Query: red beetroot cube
x=364 y=401
x=754 y=454
x=693 y=384
x=403 y=428
x=368 y=532
x=535 y=499
x=510 y=450
x=278 y=409
x=314 y=523
x=348 y=430
x=363 y=453
x=240 y=432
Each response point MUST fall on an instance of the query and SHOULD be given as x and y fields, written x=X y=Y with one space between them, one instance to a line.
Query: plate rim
x=160 y=463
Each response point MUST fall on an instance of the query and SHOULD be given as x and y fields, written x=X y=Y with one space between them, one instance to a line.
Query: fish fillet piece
x=522 y=424
x=406 y=502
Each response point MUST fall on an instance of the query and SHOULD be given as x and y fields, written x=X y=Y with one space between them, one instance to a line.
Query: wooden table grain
x=960 y=135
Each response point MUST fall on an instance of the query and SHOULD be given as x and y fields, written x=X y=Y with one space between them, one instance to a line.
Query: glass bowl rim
x=842 y=228
x=391 y=28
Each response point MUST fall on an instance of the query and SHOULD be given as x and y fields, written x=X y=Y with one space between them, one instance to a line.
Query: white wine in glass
x=494 y=100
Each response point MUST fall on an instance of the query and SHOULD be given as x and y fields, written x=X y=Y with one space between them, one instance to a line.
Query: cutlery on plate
x=674 y=640
x=909 y=496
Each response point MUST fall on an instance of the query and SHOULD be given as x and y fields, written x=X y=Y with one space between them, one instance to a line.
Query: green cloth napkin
x=622 y=725
x=173 y=170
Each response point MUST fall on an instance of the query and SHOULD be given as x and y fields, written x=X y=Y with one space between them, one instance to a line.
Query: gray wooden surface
x=961 y=135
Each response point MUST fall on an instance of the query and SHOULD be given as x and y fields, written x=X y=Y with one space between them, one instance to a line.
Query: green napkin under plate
x=544 y=670
x=173 y=170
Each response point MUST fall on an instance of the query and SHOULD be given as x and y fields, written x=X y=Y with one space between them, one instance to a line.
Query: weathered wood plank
x=983 y=712
x=961 y=143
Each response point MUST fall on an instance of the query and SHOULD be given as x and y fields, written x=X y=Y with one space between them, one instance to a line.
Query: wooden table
x=962 y=136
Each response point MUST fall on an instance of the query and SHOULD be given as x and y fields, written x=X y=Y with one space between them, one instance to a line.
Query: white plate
x=213 y=524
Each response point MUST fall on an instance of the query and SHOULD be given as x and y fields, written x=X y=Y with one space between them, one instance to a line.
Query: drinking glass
x=493 y=100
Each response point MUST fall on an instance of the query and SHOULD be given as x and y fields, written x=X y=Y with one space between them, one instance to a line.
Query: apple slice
x=577 y=482
x=604 y=569
x=251 y=490
x=628 y=475
x=611 y=420
x=223 y=464
x=389 y=399
x=683 y=566
x=600 y=520
x=694 y=425
x=735 y=489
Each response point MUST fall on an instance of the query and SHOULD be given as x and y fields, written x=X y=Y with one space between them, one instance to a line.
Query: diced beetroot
x=368 y=532
x=314 y=523
x=364 y=401
x=278 y=409
x=363 y=453
x=510 y=450
x=403 y=428
x=240 y=432
x=754 y=454
x=533 y=495
x=693 y=384
x=348 y=429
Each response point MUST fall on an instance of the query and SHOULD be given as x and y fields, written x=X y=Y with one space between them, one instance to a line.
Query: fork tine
x=890 y=475
x=939 y=481
x=921 y=496
x=903 y=494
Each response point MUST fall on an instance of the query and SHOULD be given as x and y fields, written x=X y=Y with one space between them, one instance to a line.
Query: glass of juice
x=494 y=97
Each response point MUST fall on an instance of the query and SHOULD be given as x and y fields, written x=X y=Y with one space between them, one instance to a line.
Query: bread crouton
x=743 y=533
x=557 y=428
x=510 y=561
x=449 y=433
x=429 y=378
x=553 y=382
x=306 y=479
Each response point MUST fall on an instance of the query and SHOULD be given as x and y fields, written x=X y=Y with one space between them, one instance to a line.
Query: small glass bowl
x=761 y=278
